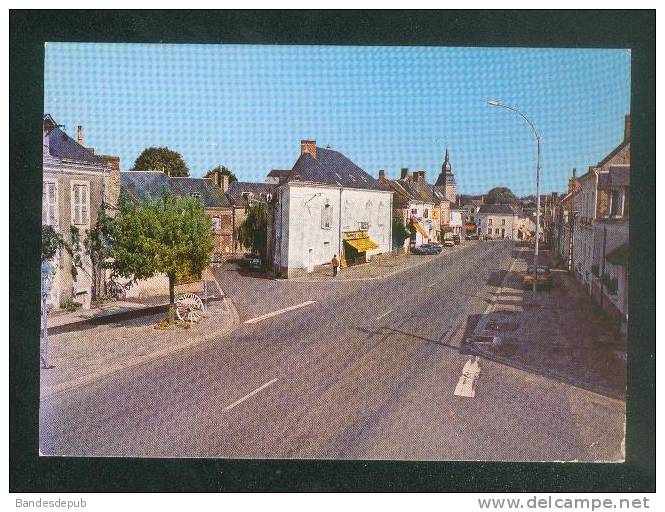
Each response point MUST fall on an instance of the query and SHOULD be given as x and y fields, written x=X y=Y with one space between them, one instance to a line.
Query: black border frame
x=28 y=32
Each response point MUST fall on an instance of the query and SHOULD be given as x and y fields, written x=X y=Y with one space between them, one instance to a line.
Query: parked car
x=457 y=239
x=425 y=249
x=473 y=236
x=256 y=263
x=448 y=242
x=436 y=246
x=545 y=280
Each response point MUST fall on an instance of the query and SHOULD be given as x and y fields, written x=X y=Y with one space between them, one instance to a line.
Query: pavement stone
x=566 y=337
x=85 y=355
x=379 y=267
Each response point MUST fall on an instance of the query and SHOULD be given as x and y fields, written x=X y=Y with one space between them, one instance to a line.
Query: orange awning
x=421 y=229
x=362 y=244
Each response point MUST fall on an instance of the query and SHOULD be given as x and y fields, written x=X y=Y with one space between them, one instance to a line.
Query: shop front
x=355 y=247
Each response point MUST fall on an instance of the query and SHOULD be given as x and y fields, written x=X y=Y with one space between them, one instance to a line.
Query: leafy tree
x=51 y=242
x=170 y=235
x=224 y=171
x=161 y=159
x=500 y=195
x=253 y=232
x=400 y=233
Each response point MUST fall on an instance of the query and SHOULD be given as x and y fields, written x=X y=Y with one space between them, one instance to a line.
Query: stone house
x=75 y=185
x=498 y=221
x=590 y=202
x=328 y=206
x=609 y=281
x=415 y=205
x=142 y=184
x=241 y=195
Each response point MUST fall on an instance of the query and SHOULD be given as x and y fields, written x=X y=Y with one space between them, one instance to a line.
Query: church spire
x=446 y=163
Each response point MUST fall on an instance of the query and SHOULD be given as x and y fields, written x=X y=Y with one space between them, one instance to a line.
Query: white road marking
x=385 y=314
x=466 y=386
x=279 y=312
x=248 y=395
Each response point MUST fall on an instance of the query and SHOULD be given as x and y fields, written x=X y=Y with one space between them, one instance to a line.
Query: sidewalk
x=128 y=309
x=566 y=337
x=88 y=352
x=380 y=266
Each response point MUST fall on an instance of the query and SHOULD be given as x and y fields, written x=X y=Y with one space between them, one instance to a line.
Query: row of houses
x=589 y=228
x=325 y=205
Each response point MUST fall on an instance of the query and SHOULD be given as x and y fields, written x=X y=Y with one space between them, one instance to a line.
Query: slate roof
x=237 y=188
x=618 y=176
x=499 y=209
x=143 y=184
x=211 y=194
x=332 y=168
x=61 y=145
x=420 y=190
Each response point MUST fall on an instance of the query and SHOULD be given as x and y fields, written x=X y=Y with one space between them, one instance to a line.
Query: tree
x=400 y=234
x=500 y=195
x=161 y=159
x=253 y=232
x=170 y=235
x=224 y=171
x=51 y=242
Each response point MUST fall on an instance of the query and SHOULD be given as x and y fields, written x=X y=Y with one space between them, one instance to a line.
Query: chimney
x=382 y=174
x=225 y=182
x=308 y=146
x=572 y=180
x=80 y=135
x=626 y=128
x=405 y=175
x=421 y=177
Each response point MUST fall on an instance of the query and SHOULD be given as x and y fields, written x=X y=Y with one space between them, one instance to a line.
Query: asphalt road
x=366 y=370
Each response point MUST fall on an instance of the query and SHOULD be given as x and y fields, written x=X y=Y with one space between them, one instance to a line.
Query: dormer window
x=197 y=195
x=247 y=195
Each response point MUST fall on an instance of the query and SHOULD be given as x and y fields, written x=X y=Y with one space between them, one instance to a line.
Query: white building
x=76 y=183
x=498 y=221
x=329 y=206
x=456 y=223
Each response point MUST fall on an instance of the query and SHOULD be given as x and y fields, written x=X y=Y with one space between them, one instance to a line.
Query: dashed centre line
x=279 y=312
x=248 y=395
x=384 y=314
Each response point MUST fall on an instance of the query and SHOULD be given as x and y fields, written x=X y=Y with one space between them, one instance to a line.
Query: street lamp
x=495 y=103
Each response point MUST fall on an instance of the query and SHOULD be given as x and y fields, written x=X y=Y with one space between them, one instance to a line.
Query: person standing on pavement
x=335 y=265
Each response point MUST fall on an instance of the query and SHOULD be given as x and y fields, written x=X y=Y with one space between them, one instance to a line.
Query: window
x=217 y=224
x=326 y=216
x=503 y=222
x=615 y=204
x=496 y=231
x=50 y=203
x=489 y=231
x=80 y=203
x=489 y=222
x=414 y=211
x=195 y=194
x=426 y=213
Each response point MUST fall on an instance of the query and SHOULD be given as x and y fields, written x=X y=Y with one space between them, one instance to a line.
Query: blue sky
x=247 y=107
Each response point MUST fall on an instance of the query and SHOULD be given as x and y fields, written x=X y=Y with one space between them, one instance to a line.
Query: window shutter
x=44 y=204
x=84 y=204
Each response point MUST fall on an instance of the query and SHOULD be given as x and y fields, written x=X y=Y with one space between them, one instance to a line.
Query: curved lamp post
x=495 y=103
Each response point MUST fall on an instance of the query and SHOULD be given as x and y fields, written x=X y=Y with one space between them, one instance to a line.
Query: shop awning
x=619 y=256
x=421 y=229
x=362 y=244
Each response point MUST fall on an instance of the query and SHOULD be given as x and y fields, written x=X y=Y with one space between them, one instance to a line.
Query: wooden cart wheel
x=189 y=307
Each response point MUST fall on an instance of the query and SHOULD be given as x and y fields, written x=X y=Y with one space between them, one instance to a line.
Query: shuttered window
x=80 y=204
x=50 y=204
